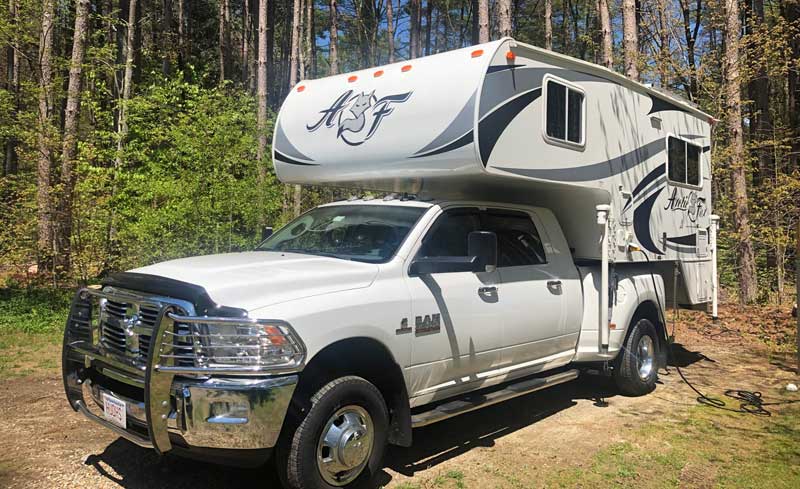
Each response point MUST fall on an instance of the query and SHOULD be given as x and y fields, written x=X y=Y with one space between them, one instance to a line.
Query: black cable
x=751 y=402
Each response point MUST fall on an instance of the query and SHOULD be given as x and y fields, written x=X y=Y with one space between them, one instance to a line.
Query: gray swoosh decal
x=285 y=146
x=500 y=85
x=457 y=128
x=594 y=171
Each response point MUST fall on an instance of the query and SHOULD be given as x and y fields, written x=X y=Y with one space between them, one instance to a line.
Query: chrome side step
x=471 y=402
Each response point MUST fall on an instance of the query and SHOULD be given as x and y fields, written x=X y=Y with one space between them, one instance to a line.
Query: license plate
x=114 y=410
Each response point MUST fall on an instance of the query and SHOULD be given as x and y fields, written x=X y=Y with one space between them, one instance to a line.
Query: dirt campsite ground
x=580 y=434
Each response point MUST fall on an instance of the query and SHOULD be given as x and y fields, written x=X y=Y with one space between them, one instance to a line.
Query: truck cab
x=412 y=304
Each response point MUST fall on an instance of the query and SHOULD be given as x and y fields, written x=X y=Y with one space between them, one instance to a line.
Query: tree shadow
x=681 y=357
x=439 y=442
x=130 y=466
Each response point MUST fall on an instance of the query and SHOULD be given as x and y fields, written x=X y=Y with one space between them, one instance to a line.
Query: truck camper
x=536 y=215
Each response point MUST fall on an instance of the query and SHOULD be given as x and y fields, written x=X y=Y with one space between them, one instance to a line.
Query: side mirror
x=483 y=246
x=266 y=233
x=482 y=257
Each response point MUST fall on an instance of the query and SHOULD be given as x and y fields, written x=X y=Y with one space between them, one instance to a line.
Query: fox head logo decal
x=357 y=116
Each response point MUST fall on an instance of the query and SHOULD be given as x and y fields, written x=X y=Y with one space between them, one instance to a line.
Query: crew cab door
x=457 y=323
x=538 y=286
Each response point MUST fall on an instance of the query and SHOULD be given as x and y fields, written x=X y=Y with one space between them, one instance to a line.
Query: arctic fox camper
x=540 y=212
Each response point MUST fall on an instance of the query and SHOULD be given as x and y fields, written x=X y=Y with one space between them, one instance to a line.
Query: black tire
x=627 y=367
x=296 y=457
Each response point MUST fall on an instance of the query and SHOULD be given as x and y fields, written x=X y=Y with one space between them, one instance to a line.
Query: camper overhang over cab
x=510 y=122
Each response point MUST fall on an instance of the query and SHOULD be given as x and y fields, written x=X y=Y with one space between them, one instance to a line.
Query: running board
x=471 y=402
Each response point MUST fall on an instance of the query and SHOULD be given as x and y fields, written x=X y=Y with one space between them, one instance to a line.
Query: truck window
x=366 y=233
x=449 y=234
x=518 y=241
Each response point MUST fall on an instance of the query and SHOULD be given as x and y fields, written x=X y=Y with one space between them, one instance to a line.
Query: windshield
x=367 y=233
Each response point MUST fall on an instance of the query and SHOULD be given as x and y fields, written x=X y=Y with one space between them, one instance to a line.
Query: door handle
x=487 y=290
x=554 y=285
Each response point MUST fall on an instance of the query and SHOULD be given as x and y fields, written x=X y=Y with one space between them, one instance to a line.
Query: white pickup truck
x=536 y=206
x=346 y=328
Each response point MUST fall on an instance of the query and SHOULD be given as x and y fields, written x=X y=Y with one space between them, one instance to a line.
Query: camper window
x=683 y=161
x=564 y=117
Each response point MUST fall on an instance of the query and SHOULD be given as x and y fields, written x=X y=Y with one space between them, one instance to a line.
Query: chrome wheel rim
x=645 y=358
x=345 y=445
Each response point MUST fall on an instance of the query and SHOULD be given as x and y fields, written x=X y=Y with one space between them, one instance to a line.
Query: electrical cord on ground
x=750 y=402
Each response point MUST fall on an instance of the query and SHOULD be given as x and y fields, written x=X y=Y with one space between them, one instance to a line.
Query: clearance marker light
x=352 y=79
x=377 y=73
x=301 y=88
x=405 y=68
x=511 y=56
x=477 y=53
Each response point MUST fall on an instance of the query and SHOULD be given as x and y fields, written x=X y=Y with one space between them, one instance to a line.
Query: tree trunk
x=630 y=36
x=483 y=21
x=245 y=41
x=224 y=41
x=181 y=36
x=606 y=44
x=548 y=24
x=166 y=37
x=45 y=160
x=663 y=45
x=389 y=28
x=333 y=57
x=309 y=25
x=760 y=91
x=793 y=82
x=295 y=47
x=262 y=92
x=414 y=33
x=744 y=248
x=428 y=22
x=504 y=17
x=301 y=50
x=70 y=143
x=10 y=164
x=691 y=28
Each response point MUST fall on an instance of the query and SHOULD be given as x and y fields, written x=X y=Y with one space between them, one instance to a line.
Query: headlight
x=249 y=344
x=233 y=343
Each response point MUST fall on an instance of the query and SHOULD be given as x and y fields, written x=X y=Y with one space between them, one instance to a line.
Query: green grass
x=710 y=448
x=31 y=325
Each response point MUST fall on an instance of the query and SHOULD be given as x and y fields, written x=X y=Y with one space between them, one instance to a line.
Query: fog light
x=228 y=413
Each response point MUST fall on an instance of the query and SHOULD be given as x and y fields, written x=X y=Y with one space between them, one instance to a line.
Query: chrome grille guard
x=83 y=349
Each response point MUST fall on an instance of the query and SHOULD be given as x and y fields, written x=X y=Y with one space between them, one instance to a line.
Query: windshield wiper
x=315 y=253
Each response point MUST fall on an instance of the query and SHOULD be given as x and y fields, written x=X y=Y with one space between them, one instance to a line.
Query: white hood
x=261 y=278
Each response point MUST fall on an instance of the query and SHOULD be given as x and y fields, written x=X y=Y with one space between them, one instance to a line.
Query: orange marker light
x=377 y=73
x=405 y=68
x=301 y=88
x=477 y=53
x=352 y=79
x=511 y=56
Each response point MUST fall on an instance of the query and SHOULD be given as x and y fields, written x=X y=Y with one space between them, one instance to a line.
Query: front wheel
x=636 y=368
x=341 y=440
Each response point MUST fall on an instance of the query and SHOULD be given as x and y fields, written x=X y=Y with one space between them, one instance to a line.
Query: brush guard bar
x=174 y=394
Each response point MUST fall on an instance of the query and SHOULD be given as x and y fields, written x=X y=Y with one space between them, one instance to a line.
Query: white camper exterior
x=473 y=123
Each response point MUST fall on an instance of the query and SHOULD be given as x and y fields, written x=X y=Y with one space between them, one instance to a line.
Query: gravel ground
x=45 y=444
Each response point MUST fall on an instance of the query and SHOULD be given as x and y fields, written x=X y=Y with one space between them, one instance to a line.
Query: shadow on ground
x=134 y=467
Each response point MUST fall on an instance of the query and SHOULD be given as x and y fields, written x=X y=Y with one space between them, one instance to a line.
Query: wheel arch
x=367 y=358
x=649 y=309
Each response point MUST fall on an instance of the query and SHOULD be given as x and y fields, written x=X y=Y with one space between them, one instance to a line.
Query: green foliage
x=35 y=311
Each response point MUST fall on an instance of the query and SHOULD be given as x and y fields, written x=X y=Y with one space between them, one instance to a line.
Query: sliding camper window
x=683 y=162
x=565 y=113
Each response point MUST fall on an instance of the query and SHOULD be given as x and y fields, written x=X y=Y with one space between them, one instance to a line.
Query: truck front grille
x=126 y=327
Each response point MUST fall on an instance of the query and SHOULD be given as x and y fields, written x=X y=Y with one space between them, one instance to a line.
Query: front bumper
x=169 y=411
